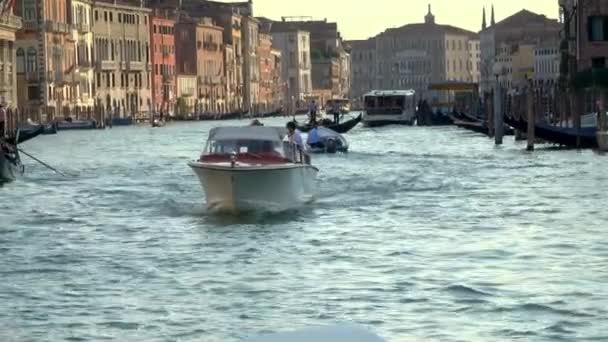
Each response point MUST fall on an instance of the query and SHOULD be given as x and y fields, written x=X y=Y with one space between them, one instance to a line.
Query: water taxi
x=389 y=107
x=253 y=168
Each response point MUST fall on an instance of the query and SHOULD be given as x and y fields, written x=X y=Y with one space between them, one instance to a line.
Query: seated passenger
x=314 y=140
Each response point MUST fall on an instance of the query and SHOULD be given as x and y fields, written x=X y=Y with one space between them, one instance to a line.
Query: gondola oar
x=44 y=164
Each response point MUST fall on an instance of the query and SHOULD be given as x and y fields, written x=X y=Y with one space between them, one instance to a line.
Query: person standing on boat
x=293 y=135
x=313 y=108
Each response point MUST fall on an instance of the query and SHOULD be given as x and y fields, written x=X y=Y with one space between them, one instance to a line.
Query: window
x=96 y=15
x=31 y=63
x=20 y=61
x=598 y=28
x=98 y=80
x=120 y=17
x=113 y=81
x=598 y=63
x=154 y=28
x=105 y=15
x=111 y=17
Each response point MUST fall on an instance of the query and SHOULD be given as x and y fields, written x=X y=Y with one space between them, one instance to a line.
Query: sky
x=358 y=19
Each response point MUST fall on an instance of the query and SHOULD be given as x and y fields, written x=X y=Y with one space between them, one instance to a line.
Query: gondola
x=25 y=134
x=10 y=161
x=478 y=126
x=342 y=128
x=565 y=136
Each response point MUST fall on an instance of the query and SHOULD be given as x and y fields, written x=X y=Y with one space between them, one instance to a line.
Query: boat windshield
x=391 y=104
x=244 y=146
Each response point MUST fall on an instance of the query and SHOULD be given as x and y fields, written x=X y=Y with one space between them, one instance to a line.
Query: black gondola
x=478 y=126
x=25 y=134
x=565 y=136
x=342 y=128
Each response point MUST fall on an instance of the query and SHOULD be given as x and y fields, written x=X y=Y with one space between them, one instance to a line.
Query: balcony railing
x=136 y=66
x=82 y=28
x=11 y=21
x=107 y=65
x=55 y=26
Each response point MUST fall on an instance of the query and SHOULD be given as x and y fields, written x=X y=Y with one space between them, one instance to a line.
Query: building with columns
x=82 y=75
x=123 y=85
x=162 y=50
x=45 y=52
x=9 y=24
x=295 y=67
x=415 y=55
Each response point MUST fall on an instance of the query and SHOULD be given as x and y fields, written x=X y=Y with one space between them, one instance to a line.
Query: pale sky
x=362 y=19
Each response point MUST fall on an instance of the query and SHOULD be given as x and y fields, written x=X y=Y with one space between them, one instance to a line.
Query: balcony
x=54 y=26
x=107 y=65
x=82 y=28
x=11 y=22
x=136 y=66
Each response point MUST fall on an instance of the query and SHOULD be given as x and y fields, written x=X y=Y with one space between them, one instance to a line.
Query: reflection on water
x=428 y=233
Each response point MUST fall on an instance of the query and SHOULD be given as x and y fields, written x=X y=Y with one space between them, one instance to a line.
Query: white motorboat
x=253 y=168
x=389 y=107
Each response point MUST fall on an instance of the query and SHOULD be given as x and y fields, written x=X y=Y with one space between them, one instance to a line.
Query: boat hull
x=269 y=188
x=8 y=169
x=387 y=122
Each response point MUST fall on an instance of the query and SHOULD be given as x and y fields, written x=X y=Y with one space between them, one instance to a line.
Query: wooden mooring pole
x=531 y=118
x=499 y=123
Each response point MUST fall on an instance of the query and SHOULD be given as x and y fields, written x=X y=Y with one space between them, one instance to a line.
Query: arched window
x=31 y=62
x=20 y=61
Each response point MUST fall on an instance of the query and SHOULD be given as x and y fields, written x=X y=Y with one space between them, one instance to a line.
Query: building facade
x=162 y=38
x=212 y=86
x=45 y=49
x=363 y=59
x=123 y=85
x=82 y=74
x=266 y=73
x=9 y=65
x=592 y=34
x=251 y=64
x=296 y=69
x=523 y=28
x=326 y=50
x=415 y=55
x=547 y=63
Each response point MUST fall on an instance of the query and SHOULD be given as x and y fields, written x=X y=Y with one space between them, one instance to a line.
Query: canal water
x=418 y=234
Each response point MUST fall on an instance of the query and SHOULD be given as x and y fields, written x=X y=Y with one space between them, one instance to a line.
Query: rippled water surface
x=424 y=233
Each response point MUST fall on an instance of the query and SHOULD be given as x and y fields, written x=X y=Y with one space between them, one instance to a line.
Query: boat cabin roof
x=378 y=93
x=248 y=133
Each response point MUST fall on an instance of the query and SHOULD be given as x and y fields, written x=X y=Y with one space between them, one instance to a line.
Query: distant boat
x=252 y=168
x=158 y=123
x=389 y=107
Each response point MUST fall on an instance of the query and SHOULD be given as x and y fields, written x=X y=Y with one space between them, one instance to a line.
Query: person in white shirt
x=293 y=135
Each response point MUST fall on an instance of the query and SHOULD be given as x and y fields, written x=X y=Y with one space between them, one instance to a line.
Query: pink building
x=163 y=62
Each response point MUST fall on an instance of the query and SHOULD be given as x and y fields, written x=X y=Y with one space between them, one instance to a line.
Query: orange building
x=266 y=72
x=163 y=62
x=45 y=49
